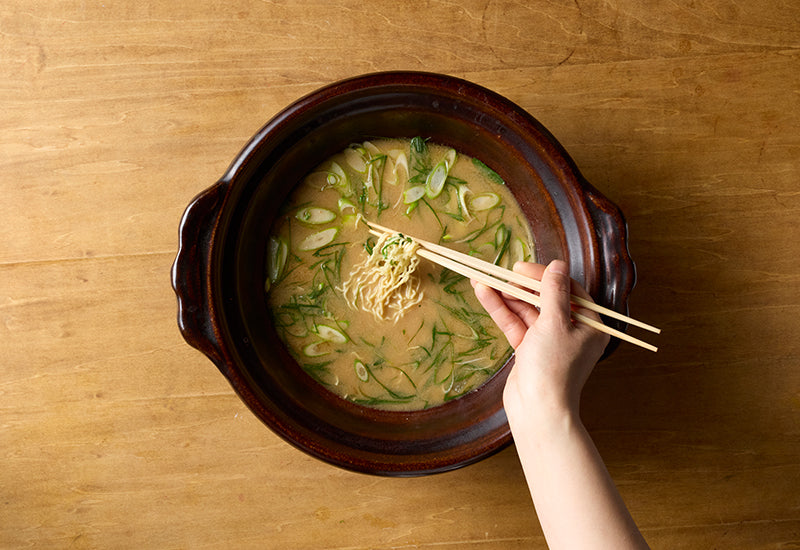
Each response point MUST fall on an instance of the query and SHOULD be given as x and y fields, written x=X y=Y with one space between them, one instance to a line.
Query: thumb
x=555 y=294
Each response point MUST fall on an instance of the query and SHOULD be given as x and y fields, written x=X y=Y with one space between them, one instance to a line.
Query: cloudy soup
x=429 y=341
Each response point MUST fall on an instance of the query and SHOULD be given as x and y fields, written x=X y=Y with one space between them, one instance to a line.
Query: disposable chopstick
x=515 y=291
x=518 y=278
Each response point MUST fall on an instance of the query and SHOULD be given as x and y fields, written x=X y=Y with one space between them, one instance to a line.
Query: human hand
x=554 y=355
x=576 y=501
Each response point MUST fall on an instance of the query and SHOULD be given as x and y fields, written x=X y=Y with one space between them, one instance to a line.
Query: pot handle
x=617 y=270
x=191 y=278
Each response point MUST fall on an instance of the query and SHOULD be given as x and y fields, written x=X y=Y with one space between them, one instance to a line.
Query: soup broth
x=443 y=345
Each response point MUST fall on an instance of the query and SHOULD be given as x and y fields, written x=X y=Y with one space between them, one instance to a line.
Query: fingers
x=555 y=295
x=534 y=271
x=523 y=310
x=508 y=321
x=514 y=317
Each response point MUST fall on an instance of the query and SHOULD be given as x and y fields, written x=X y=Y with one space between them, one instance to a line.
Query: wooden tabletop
x=114 y=114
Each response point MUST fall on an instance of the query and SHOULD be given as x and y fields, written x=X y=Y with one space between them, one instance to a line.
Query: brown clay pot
x=219 y=271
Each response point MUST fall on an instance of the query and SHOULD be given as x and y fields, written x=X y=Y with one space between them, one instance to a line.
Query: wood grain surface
x=113 y=114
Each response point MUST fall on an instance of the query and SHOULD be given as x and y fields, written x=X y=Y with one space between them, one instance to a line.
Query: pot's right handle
x=191 y=273
x=617 y=270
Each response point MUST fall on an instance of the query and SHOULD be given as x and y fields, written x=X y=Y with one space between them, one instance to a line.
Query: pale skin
x=576 y=501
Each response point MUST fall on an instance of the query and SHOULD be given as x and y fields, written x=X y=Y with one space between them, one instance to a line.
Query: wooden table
x=116 y=434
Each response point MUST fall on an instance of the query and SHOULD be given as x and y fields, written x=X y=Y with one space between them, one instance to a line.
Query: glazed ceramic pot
x=219 y=271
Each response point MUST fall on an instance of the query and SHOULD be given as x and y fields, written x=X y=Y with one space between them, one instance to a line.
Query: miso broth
x=443 y=347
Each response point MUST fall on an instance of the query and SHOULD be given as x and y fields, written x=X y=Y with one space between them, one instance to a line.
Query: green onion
x=501 y=240
x=298 y=331
x=405 y=376
x=463 y=189
x=345 y=204
x=315 y=349
x=371 y=148
x=377 y=165
x=435 y=215
x=315 y=215
x=488 y=172
x=391 y=392
x=493 y=218
x=436 y=179
x=318 y=240
x=518 y=251
x=413 y=194
x=484 y=201
x=400 y=167
x=337 y=177
x=361 y=370
x=331 y=334
x=418 y=160
x=450 y=158
x=419 y=145
x=276 y=258
x=355 y=158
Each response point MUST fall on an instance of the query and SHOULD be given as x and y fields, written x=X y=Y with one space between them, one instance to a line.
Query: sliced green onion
x=401 y=382
x=419 y=145
x=371 y=148
x=277 y=250
x=337 y=176
x=315 y=215
x=299 y=330
x=447 y=386
x=484 y=201
x=355 y=158
x=463 y=190
x=488 y=172
x=518 y=251
x=319 y=239
x=400 y=170
x=344 y=204
x=361 y=371
x=331 y=334
x=501 y=241
x=315 y=349
x=413 y=194
x=450 y=158
x=434 y=184
x=318 y=180
x=500 y=236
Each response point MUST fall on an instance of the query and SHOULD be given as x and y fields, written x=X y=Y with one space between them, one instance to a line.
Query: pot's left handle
x=191 y=272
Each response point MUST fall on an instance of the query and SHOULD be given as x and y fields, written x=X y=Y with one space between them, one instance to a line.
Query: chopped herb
x=501 y=239
x=488 y=172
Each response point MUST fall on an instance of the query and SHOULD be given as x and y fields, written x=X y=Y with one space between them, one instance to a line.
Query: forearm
x=576 y=500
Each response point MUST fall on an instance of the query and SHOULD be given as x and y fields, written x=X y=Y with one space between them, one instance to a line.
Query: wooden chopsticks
x=487 y=273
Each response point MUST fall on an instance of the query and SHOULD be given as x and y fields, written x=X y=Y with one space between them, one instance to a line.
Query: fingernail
x=558 y=266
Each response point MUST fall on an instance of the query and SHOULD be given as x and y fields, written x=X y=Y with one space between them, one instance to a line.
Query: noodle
x=384 y=283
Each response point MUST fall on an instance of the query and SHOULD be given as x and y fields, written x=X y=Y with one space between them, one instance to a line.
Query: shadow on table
x=710 y=416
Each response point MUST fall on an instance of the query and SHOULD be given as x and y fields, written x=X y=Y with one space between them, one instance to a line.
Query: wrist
x=540 y=417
